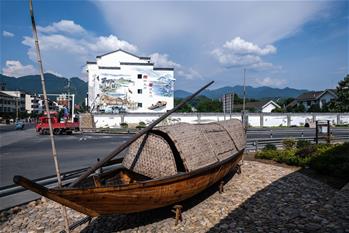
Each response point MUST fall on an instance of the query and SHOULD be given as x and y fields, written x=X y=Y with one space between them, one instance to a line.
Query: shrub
x=124 y=125
x=267 y=154
x=269 y=146
x=141 y=125
x=306 y=151
x=302 y=143
x=332 y=160
x=324 y=158
x=288 y=143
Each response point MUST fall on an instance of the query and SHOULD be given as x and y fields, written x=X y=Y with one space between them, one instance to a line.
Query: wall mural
x=117 y=91
x=164 y=86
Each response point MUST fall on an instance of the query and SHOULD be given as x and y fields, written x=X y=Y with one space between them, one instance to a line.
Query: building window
x=139 y=91
x=140 y=105
x=139 y=76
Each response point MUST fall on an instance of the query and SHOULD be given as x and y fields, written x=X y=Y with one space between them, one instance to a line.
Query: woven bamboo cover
x=198 y=146
x=153 y=159
x=236 y=131
x=193 y=147
x=219 y=139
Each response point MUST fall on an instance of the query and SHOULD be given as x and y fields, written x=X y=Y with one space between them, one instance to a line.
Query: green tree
x=341 y=104
x=278 y=110
x=299 y=108
x=185 y=108
x=314 y=108
x=208 y=105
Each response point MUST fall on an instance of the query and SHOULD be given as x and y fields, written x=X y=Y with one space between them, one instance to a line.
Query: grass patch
x=326 y=159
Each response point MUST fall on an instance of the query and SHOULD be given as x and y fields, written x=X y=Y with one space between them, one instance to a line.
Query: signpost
x=322 y=130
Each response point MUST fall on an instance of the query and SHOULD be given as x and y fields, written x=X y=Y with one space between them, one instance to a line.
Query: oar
x=135 y=137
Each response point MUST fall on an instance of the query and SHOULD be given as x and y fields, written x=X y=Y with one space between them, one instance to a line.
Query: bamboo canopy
x=184 y=147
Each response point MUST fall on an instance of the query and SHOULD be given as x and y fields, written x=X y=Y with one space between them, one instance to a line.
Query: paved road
x=28 y=154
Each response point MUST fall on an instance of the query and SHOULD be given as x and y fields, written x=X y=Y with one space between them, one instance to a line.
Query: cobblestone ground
x=264 y=198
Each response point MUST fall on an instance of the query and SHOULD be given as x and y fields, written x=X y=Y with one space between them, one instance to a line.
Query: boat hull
x=140 y=196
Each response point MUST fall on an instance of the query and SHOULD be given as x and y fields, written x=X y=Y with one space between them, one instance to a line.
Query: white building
x=319 y=98
x=20 y=98
x=8 y=103
x=269 y=106
x=123 y=82
x=259 y=106
x=32 y=103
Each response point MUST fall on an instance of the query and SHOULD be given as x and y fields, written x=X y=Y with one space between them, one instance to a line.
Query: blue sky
x=299 y=44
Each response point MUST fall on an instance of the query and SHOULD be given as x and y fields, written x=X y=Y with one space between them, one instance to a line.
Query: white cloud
x=270 y=82
x=241 y=53
x=67 y=26
x=162 y=60
x=69 y=52
x=16 y=69
x=66 y=46
x=240 y=46
x=7 y=34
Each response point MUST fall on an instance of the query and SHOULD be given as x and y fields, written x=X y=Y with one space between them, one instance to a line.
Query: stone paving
x=264 y=198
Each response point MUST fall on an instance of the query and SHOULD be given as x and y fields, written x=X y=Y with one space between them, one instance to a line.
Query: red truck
x=58 y=127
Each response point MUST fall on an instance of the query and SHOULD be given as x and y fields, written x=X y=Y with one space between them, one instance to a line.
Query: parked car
x=19 y=125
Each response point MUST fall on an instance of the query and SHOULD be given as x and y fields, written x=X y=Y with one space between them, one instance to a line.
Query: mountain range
x=56 y=85
x=251 y=92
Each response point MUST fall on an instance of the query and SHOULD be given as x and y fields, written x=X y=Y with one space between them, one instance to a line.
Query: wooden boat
x=158 y=104
x=173 y=164
x=163 y=166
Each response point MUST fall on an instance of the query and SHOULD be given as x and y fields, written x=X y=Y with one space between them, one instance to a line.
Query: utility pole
x=232 y=103
x=54 y=152
x=17 y=108
x=244 y=101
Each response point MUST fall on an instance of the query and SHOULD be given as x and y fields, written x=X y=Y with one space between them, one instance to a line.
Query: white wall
x=254 y=119
x=331 y=118
x=300 y=120
x=274 y=120
x=114 y=59
x=344 y=119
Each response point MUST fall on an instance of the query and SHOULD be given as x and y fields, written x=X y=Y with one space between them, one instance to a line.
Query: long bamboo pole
x=53 y=146
x=135 y=137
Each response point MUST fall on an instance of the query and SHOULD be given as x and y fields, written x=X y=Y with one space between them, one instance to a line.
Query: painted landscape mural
x=121 y=92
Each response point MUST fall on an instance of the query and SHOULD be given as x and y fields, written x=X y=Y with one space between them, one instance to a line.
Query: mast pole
x=244 y=101
x=53 y=146
x=134 y=138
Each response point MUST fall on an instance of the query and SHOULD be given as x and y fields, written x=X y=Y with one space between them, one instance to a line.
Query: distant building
x=228 y=102
x=19 y=100
x=259 y=106
x=8 y=103
x=123 y=82
x=32 y=103
x=320 y=98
